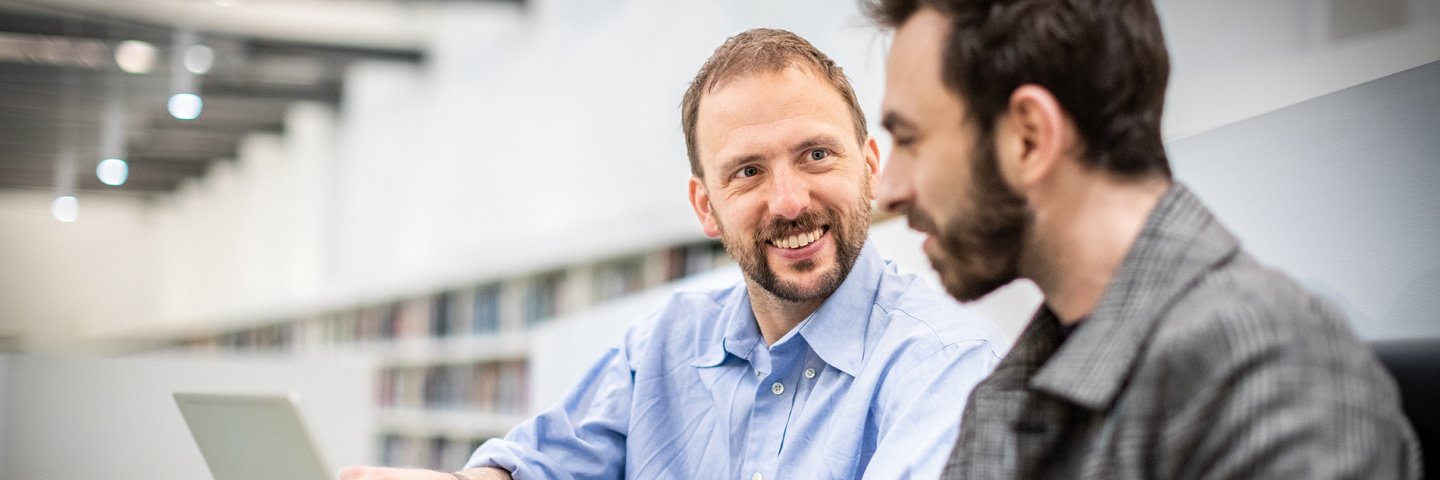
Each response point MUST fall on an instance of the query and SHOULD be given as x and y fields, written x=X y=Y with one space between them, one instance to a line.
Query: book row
x=511 y=304
x=481 y=387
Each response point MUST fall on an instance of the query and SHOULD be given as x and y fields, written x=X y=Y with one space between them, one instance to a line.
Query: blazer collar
x=1181 y=240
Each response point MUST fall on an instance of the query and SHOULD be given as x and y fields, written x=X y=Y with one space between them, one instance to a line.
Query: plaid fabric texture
x=1198 y=363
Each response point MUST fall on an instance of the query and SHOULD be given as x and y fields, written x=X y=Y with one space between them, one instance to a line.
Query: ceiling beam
x=383 y=25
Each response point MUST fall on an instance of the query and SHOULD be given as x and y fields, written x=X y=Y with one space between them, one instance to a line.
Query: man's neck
x=1085 y=224
x=776 y=316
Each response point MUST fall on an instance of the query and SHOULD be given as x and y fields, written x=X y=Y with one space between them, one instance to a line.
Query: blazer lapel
x=1180 y=241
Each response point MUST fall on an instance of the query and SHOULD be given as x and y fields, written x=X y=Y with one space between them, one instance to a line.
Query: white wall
x=251 y=236
x=57 y=279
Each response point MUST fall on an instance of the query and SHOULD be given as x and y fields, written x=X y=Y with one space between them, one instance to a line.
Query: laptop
x=253 y=437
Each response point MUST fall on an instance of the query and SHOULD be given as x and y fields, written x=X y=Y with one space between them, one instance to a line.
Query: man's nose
x=791 y=194
x=894 y=191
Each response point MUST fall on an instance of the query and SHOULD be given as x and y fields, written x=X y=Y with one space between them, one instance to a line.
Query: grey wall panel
x=1342 y=192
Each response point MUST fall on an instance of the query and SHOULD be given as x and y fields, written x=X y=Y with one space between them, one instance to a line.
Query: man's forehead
x=927 y=27
x=913 y=69
x=762 y=88
x=917 y=50
x=790 y=100
x=733 y=74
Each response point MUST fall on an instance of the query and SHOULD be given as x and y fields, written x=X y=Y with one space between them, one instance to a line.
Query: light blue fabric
x=692 y=392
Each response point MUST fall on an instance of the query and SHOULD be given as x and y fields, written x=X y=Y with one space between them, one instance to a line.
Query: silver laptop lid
x=252 y=437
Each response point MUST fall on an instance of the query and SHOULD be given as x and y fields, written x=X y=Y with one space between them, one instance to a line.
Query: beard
x=847 y=229
x=980 y=249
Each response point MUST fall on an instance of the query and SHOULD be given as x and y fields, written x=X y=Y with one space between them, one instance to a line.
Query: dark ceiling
x=57 y=68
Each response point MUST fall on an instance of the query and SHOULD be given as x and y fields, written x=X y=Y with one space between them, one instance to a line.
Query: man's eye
x=818 y=154
x=903 y=141
x=749 y=171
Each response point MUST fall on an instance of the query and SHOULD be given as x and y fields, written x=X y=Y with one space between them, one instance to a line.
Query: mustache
x=780 y=227
x=920 y=221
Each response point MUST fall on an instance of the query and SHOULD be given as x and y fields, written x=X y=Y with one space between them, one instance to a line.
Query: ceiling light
x=199 y=59
x=112 y=171
x=134 y=56
x=65 y=209
x=185 y=106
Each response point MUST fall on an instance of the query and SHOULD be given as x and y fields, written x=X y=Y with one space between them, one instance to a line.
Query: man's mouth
x=800 y=239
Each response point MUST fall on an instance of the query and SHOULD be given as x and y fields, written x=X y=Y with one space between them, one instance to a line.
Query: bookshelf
x=452 y=367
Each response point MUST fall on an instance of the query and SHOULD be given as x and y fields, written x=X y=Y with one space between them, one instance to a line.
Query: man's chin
x=806 y=273
x=961 y=291
x=964 y=287
x=816 y=283
x=801 y=289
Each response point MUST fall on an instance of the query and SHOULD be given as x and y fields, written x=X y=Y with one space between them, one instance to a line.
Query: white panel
x=78 y=417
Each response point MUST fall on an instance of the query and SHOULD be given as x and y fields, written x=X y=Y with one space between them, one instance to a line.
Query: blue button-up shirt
x=870 y=386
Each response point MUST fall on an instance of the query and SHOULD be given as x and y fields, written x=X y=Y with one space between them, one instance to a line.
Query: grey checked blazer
x=1198 y=363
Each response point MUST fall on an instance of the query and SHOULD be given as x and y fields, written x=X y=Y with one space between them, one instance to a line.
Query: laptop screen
x=252 y=437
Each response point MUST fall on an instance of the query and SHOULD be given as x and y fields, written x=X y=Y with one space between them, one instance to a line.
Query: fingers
x=361 y=472
x=485 y=473
x=358 y=472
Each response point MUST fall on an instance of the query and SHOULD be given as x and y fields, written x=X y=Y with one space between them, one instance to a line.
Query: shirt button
x=757 y=475
x=809 y=373
x=757 y=372
x=777 y=389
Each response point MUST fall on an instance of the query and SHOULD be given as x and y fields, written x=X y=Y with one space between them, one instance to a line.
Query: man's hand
x=383 y=473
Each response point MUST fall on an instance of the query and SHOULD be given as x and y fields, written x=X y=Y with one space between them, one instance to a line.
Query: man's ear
x=700 y=201
x=1031 y=137
x=872 y=161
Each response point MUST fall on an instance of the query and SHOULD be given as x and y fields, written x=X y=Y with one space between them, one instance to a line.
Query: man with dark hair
x=824 y=363
x=1027 y=144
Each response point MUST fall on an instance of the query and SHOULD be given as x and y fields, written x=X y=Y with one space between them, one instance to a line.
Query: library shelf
x=452 y=367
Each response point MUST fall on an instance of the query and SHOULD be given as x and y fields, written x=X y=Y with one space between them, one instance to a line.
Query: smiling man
x=1027 y=144
x=824 y=363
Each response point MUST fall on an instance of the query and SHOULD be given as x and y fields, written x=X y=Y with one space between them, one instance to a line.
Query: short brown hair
x=1103 y=60
x=761 y=50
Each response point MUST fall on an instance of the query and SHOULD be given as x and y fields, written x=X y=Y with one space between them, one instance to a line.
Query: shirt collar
x=740 y=332
x=836 y=331
x=1181 y=240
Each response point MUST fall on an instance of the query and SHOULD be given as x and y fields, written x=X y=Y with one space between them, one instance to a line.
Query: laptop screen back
x=252 y=437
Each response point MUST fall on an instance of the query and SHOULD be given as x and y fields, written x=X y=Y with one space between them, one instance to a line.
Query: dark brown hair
x=761 y=50
x=1103 y=60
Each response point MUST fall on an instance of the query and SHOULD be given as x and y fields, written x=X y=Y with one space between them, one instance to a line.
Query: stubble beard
x=847 y=229
x=981 y=248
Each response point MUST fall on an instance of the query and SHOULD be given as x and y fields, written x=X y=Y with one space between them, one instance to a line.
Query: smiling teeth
x=797 y=241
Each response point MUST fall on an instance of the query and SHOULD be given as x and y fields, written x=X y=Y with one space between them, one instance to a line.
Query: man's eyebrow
x=817 y=140
x=734 y=163
x=893 y=120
